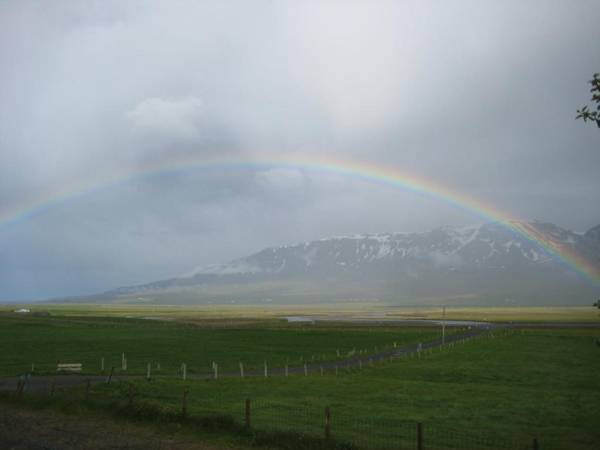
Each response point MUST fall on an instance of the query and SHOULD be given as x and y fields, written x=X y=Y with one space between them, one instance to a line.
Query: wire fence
x=378 y=433
x=367 y=429
x=333 y=426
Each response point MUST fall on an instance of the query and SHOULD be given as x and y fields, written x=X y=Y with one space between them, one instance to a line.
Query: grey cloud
x=171 y=119
x=477 y=96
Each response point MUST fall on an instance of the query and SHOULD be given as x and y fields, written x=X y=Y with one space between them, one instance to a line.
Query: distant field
x=44 y=341
x=507 y=314
x=350 y=310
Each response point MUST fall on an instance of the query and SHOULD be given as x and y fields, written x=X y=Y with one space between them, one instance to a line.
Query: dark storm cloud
x=479 y=96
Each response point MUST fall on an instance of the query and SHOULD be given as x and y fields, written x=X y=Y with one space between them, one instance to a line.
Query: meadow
x=499 y=390
x=165 y=345
x=491 y=392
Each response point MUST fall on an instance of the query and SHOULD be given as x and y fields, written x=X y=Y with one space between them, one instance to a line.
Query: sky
x=479 y=96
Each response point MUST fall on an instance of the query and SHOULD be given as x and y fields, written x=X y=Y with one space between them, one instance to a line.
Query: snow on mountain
x=489 y=244
x=479 y=264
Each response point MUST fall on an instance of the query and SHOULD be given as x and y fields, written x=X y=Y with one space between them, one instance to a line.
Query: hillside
x=486 y=264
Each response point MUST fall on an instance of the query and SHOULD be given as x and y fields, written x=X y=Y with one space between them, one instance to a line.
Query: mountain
x=480 y=265
x=593 y=233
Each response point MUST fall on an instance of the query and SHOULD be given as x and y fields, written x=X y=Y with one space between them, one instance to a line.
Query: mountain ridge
x=488 y=262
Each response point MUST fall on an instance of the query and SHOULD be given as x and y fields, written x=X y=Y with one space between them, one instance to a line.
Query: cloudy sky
x=479 y=96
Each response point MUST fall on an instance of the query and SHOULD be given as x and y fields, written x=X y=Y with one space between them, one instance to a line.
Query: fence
x=308 y=424
x=368 y=429
x=375 y=433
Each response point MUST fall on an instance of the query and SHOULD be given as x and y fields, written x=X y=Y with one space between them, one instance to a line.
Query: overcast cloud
x=476 y=95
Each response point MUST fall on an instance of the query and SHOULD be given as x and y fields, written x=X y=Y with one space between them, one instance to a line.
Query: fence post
x=419 y=436
x=305 y=370
x=148 y=371
x=247 y=416
x=286 y=369
x=327 y=422
x=20 y=384
x=321 y=370
x=184 y=403
x=102 y=365
x=266 y=372
x=241 y=370
x=184 y=371
x=109 y=379
x=130 y=394
x=536 y=446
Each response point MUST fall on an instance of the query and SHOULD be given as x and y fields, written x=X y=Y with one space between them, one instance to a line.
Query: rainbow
x=361 y=170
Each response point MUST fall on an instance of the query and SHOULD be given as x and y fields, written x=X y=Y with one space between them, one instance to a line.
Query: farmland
x=44 y=341
x=499 y=390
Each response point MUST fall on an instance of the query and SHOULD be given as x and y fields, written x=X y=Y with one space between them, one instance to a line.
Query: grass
x=355 y=310
x=489 y=393
x=504 y=391
x=44 y=341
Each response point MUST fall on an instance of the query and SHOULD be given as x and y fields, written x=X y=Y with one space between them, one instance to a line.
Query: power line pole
x=444 y=325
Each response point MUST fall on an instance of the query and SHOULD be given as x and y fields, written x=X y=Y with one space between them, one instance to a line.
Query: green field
x=496 y=391
x=44 y=341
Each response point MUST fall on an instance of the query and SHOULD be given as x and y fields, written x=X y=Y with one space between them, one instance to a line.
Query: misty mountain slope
x=593 y=234
x=474 y=265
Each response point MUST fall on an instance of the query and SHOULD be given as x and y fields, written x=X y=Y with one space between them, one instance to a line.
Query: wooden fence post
x=130 y=393
x=266 y=372
x=321 y=370
x=184 y=401
x=241 y=370
x=109 y=379
x=148 y=368
x=419 y=436
x=215 y=371
x=247 y=416
x=184 y=371
x=102 y=365
x=327 y=422
x=305 y=370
